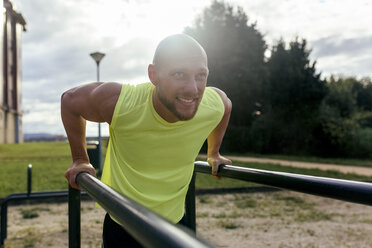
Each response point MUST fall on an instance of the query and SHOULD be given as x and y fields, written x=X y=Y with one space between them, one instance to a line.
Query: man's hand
x=76 y=168
x=215 y=161
x=215 y=137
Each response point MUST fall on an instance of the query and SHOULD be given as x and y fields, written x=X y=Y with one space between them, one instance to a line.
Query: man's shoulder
x=211 y=102
x=212 y=97
x=137 y=88
x=133 y=95
x=132 y=98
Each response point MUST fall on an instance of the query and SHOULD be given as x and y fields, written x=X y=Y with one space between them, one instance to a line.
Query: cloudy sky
x=62 y=33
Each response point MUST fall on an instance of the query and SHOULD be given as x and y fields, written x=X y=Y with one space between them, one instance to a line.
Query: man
x=156 y=131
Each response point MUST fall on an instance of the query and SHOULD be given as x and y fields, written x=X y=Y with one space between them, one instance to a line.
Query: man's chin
x=185 y=117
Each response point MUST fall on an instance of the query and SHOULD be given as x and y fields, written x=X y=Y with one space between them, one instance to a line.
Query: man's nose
x=191 y=87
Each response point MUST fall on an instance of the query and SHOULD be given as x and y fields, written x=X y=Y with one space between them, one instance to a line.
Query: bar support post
x=190 y=204
x=73 y=218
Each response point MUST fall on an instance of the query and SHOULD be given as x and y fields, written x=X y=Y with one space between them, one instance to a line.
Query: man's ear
x=152 y=74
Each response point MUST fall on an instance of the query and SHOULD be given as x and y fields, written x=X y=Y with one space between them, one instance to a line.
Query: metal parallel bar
x=190 y=205
x=74 y=232
x=351 y=191
x=36 y=195
x=148 y=228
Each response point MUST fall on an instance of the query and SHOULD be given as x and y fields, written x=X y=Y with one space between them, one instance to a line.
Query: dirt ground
x=279 y=219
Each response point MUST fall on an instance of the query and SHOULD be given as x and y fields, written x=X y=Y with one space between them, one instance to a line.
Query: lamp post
x=97 y=56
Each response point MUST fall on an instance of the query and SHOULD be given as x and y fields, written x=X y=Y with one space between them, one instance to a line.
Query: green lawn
x=51 y=159
x=49 y=162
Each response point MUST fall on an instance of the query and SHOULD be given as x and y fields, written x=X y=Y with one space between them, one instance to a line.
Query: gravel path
x=283 y=220
x=277 y=220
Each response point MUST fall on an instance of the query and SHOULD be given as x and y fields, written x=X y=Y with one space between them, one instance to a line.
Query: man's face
x=180 y=87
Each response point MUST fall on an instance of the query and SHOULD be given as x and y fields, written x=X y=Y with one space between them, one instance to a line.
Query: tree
x=294 y=84
x=236 y=62
x=292 y=98
x=363 y=89
x=346 y=118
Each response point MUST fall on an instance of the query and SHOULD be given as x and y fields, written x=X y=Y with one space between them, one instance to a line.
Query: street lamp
x=97 y=56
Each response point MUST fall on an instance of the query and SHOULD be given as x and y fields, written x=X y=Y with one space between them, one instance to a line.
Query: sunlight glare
x=148 y=19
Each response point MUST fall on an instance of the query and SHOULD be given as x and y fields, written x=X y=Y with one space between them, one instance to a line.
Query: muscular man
x=156 y=130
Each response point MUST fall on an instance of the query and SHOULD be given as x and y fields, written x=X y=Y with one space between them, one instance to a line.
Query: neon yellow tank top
x=151 y=160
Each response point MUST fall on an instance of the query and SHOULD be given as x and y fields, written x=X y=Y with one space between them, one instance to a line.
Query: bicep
x=94 y=102
x=104 y=99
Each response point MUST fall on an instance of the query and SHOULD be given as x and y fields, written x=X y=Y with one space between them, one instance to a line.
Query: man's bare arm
x=92 y=102
x=216 y=136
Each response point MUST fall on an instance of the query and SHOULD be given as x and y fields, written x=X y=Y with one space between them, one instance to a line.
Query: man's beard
x=172 y=108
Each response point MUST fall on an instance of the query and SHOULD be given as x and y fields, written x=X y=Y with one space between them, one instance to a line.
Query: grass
x=228 y=224
x=291 y=201
x=29 y=214
x=49 y=162
x=31 y=239
x=313 y=216
x=246 y=203
x=205 y=199
x=51 y=159
x=29 y=243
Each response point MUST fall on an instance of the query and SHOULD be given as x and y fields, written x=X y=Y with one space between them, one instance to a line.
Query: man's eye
x=202 y=76
x=178 y=74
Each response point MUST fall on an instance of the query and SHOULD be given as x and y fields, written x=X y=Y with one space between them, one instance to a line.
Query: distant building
x=10 y=68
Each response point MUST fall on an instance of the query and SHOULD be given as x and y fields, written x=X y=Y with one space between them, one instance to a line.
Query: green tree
x=236 y=61
x=363 y=89
x=293 y=94
x=346 y=118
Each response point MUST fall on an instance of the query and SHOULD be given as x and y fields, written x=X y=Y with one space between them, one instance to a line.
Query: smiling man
x=156 y=131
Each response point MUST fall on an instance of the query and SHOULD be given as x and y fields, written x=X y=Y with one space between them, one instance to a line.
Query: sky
x=62 y=33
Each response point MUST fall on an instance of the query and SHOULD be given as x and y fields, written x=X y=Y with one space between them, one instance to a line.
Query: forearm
x=216 y=136
x=75 y=126
x=215 y=141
